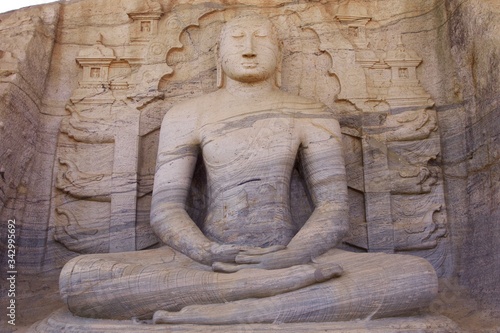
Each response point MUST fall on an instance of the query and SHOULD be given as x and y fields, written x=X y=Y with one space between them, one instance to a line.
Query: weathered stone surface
x=81 y=106
x=28 y=136
x=471 y=125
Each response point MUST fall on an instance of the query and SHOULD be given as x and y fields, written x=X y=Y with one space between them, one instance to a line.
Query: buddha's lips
x=250 y=64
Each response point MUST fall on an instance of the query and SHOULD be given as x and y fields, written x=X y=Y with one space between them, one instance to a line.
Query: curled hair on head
x=248 y=16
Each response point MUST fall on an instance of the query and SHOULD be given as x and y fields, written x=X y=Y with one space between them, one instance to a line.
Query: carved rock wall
x=470 y=126
x=28 y=136
x=26 y=45
x=84 y=84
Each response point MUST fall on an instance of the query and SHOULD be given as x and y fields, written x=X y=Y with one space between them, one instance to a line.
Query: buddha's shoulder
x=197 y=106
x=302 y=104
x=309 y=112
x=191 y=107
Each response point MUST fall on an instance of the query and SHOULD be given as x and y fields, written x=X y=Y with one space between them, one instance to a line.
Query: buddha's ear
x=277 y=79
x=220 y=74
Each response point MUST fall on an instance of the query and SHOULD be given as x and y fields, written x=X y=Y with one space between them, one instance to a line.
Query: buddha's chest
x=250 y=141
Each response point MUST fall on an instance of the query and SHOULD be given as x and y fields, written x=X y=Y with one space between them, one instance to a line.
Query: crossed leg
x=372 y=286
x=126 y=285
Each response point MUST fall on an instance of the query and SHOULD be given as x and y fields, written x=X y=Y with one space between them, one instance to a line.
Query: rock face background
x=84 y=84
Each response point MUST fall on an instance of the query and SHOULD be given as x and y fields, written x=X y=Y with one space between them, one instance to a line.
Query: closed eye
x=238 y=34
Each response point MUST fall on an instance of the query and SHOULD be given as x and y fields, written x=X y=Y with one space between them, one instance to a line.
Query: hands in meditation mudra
x=248 y=263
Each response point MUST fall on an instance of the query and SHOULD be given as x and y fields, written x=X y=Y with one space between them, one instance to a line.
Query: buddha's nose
x=249 y=50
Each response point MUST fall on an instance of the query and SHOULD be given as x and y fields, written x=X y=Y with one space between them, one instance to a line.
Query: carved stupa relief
x=405 y=88
x=391 y=139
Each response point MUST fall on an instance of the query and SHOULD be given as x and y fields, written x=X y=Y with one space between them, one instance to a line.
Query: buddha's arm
x=177 y=154
x=324 y=171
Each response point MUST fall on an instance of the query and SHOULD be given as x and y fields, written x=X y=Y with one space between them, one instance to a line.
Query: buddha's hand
x=264 y=258
x=227 y=253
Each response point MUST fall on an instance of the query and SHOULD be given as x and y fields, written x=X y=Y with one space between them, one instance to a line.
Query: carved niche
x=108 y=141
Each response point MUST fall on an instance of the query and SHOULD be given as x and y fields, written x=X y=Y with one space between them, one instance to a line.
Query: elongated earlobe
x=220 y=78
x=277 y=79
x=220 y=75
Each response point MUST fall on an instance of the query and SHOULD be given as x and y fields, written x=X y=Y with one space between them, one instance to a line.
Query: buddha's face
x=249 y=50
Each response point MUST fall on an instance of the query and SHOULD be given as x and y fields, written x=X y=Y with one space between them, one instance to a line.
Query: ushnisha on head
x=249 y=51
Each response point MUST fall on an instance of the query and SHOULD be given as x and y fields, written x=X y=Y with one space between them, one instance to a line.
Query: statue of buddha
x=248 y=262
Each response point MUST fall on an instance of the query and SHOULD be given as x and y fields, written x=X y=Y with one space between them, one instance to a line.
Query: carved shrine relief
x=145 y=26
x=354 y=17
x=405 y=88
x=391 y=137
x=95 y=62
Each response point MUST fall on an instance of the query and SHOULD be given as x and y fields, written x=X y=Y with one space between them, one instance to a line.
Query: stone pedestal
x=64 y=321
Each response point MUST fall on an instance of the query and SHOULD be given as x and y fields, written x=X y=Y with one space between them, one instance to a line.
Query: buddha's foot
x=201 y=314
x=168 y=317
x=327 y=271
